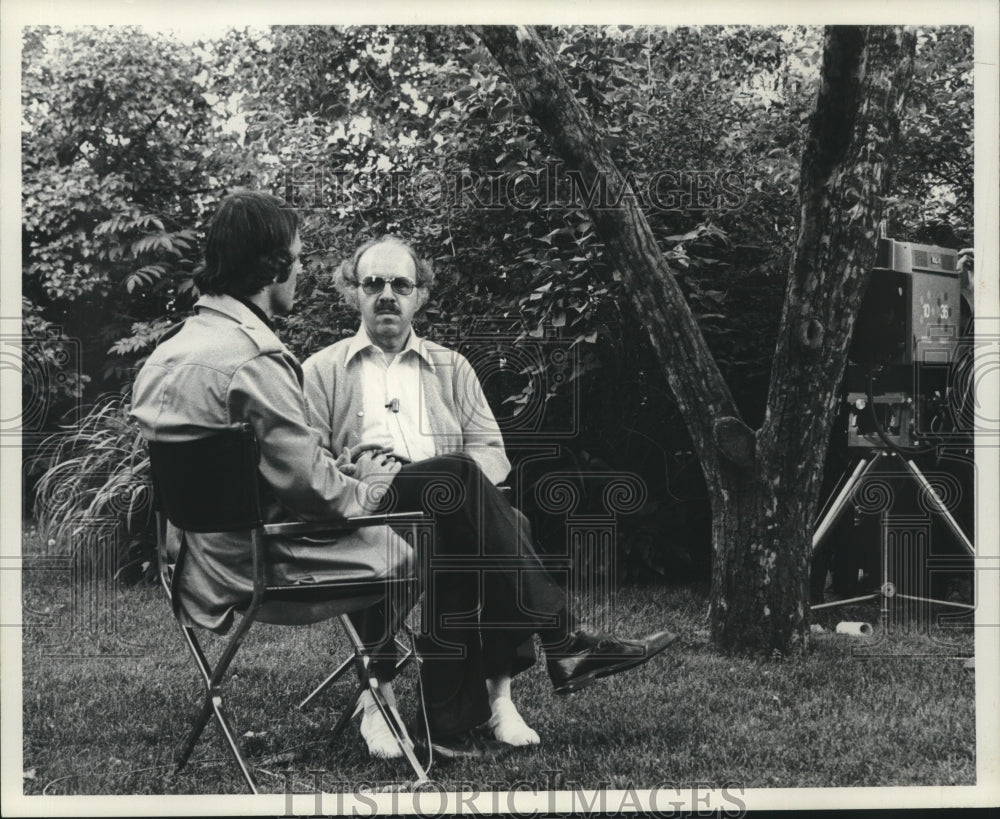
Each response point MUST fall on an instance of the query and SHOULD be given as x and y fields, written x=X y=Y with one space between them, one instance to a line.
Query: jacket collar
x=253 y=308
x=235 y=309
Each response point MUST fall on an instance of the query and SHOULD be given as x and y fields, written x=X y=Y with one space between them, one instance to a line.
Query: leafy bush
x=131 y=138
x=94 y=501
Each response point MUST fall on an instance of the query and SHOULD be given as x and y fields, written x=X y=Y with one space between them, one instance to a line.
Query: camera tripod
x=869 y=465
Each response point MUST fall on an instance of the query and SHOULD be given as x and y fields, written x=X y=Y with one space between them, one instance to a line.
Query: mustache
x=387 y=307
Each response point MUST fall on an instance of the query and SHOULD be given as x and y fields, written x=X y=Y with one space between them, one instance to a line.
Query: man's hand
x=344 y=463
x=375 y=463
x=361 y=449
x=349 y=455
x=376 y=469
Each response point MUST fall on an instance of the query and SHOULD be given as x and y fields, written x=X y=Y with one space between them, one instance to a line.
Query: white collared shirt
x=397 y=384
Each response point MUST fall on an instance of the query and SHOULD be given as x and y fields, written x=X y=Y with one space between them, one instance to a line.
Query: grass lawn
x=109 y=689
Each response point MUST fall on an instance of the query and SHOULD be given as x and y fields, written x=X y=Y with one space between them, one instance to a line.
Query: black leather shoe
x=473 y=744
x=585 y=657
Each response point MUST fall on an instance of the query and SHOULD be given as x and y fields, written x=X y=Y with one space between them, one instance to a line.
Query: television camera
x=905 y=345
x=901 y=389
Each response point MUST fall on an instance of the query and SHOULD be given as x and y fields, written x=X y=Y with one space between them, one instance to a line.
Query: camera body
x=906 y=339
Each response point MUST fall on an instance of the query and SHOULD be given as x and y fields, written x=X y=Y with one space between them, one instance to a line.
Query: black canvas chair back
x=211 y=485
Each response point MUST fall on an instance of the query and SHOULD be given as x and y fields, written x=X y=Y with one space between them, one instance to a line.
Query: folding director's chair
x=211 y=485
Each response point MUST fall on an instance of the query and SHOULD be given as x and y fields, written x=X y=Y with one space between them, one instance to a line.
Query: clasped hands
x=374 y=466
x=366 y=462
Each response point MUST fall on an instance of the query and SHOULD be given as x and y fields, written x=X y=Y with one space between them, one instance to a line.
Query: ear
x=279 y=265
x=423 y=294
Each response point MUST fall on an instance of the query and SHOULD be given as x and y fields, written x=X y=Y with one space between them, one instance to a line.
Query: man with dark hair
x=251 y=243
x=224 y=366
x=486 y=589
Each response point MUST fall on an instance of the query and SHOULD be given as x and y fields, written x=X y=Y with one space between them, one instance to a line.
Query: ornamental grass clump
x=93 y=503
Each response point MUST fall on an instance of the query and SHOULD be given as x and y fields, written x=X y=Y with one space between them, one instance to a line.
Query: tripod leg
x=933 y=601
x=940 y=507
x=862 y=599
x=862 y=469
x=888 y=588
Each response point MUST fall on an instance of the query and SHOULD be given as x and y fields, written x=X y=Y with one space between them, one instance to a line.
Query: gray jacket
x=221 y=368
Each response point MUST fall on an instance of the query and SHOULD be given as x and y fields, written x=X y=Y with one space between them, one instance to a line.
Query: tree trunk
x=763 y=485
x=694 y=378
x=846 y=167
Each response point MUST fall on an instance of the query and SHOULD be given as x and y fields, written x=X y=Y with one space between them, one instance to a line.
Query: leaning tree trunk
x=763 y=485
x=846 y=165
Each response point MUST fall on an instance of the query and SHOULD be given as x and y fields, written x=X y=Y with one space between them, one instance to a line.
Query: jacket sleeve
x=265 y=392
x=319 y=386
x=481 y=437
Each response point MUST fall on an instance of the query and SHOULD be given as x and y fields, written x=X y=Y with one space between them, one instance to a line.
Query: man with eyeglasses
x=422 y=404
x=421 y=399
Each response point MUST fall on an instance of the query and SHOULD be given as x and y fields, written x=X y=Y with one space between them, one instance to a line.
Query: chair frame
x=214 y=678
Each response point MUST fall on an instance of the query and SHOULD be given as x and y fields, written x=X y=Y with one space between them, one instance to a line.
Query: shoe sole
x=588 y=679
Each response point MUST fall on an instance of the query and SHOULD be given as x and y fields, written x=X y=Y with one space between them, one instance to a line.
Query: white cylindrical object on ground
x=858 y=629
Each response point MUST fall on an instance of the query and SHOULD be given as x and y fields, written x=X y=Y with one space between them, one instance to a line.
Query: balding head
x=382 y=253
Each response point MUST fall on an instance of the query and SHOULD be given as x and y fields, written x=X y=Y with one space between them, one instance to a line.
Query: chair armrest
x=341 y=524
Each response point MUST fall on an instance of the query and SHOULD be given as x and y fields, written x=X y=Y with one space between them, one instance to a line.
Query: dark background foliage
x=130 y=138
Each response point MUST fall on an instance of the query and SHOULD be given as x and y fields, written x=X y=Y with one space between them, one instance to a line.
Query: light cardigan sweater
x=460 y=417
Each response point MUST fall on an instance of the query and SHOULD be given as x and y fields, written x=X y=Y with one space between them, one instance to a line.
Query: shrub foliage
x=130 y=138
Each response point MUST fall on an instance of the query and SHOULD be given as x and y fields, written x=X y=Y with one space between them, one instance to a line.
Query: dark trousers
x=486 y=591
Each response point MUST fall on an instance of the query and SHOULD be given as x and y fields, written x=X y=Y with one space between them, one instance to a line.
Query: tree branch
x=694 y=377
x=846 y=168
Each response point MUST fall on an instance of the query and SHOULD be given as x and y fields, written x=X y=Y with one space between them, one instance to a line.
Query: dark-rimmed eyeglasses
x=376 y=284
